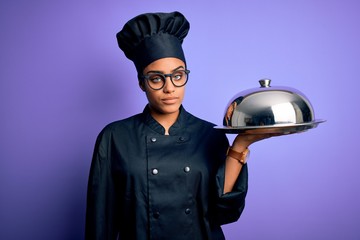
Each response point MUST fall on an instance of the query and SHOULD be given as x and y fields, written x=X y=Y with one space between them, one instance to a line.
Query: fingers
x=246 y=140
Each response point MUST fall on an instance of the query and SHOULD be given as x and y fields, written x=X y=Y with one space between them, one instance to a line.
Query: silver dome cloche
x=267 y=109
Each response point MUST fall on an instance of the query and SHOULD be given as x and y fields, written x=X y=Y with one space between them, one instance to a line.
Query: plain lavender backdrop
x=63 y=78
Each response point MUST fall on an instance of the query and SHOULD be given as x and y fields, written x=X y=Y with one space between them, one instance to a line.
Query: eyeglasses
x=157 y=81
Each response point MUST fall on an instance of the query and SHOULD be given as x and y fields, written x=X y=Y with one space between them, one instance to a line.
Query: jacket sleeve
x=100 y=209
x=229 y=206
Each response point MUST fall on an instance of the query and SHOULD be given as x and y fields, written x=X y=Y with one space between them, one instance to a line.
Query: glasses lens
x=179 y=78
x=156 y=81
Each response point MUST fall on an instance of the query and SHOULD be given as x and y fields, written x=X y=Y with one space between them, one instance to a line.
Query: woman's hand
x=242 y=141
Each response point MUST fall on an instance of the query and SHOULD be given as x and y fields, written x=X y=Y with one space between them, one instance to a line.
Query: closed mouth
x=170 y=99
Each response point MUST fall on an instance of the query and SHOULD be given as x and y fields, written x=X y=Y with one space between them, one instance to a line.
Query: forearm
x=232 y=169
x=232 y=165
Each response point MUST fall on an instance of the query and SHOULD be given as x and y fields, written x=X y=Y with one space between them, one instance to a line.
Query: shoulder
x=203 y=125
x=194 y=119
x=120 y=126
x=123 y=123
x=204 y=132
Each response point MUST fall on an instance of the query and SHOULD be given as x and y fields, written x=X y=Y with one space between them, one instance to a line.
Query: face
x=168 y=99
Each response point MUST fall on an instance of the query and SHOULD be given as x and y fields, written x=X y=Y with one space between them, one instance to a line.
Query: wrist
x=240 y=156
x=238 y=147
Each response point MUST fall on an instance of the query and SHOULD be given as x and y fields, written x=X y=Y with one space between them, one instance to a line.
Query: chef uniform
x=144 y=184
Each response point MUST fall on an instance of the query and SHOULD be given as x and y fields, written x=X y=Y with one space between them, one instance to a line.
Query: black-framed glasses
x=157 y=80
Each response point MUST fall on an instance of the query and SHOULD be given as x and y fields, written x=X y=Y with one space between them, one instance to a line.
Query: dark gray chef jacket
x=147 y=185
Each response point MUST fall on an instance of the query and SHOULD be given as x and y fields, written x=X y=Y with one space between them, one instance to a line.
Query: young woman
x=164 y=173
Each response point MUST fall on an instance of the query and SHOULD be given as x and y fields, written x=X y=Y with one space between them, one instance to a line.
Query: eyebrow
x=155 y=71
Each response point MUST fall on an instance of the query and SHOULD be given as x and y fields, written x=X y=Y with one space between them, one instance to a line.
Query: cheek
x=182 y=93
x=151 y=96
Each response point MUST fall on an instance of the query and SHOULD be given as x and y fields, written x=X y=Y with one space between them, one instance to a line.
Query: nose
x=169 y=86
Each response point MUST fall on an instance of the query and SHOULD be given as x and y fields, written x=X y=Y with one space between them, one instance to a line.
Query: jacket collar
x=175 y=129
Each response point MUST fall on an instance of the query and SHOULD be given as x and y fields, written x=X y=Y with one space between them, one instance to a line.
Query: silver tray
x=280 y=129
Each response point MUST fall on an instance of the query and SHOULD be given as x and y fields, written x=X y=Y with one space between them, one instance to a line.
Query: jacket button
x=187 y=211
x=156 y=215
x=186 y=169
x=181 y=139
x=153 y=139
x=155 y=171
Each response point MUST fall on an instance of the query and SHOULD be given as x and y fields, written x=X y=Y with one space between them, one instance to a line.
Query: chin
x=170 y=109
x=165 y=108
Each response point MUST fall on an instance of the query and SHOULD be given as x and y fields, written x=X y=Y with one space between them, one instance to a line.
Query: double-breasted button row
x=155 y=171
x=157 y=214
x=181 y=139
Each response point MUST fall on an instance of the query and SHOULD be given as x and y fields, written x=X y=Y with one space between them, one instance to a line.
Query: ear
x=141 y=85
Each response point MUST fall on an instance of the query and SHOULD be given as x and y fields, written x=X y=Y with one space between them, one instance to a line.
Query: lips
x=170 y=100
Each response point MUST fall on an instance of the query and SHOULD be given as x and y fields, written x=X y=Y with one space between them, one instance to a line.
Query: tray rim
x=301 y=126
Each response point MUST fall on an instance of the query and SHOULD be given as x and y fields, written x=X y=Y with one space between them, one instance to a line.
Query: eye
x=176 y=76
x=155 y=78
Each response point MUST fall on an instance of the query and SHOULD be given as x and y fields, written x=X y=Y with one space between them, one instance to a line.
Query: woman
x=164 y=173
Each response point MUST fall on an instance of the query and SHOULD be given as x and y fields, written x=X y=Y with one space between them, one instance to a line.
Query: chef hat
x=151 y=36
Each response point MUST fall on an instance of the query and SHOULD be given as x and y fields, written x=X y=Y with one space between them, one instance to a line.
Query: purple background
x=63 y=78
